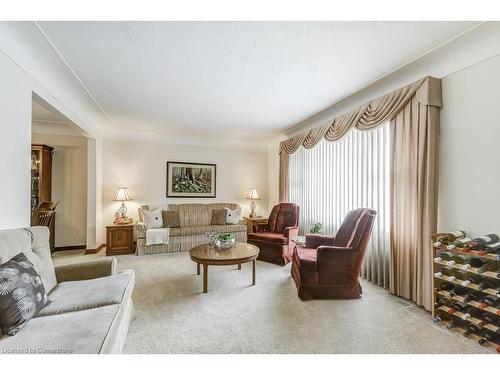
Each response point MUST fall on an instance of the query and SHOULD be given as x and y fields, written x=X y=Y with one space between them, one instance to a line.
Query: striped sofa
x=194 y=221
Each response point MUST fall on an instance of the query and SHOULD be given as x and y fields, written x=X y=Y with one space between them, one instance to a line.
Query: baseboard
x=95 y=251
x=75 y=247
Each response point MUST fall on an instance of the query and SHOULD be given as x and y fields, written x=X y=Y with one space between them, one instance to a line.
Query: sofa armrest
x=141 y=229
x=291 y=232
x=337 y=265
x=91 y=269
x=313 y=241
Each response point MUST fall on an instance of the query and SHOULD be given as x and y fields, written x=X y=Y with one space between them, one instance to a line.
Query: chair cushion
x=306 y=258
x=88 y=294
x=174 y=232
x=277 y=238
x=192 y=231
x=87 y=331
x=229 y=228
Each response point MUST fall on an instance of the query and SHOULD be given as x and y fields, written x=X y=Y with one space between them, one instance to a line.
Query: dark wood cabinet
x=41 y=175
x=41 y=182
x=120 y=239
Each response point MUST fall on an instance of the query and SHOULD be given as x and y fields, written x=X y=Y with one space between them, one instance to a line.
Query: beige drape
x=283 y=182
x=414 y=176
x=414 y=114
x=427 y=91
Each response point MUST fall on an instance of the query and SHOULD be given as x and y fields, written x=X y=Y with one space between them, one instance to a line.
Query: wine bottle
x=472 y=296
x=462 y=259
x=446 y=256
x=488 y=283
x=473 y=279
x=487 y=335
x=477 y=262
x=460 y=290
x=479 y=243
x=455 y=322
x=471 y=311
x=445 y=272
x=493 y=248
x=448 y=287
x=440 y=316
x=444 y=302
x=449 y=237
x=460 y=243
x=471 y=329
x=491 y=319
x=490 y=301
x=491 y=266
x=459 y=306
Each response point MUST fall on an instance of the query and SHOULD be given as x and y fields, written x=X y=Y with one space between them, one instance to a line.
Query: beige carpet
x=173 y=316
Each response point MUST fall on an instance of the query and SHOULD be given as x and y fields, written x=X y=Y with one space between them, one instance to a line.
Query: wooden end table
x=209 y=255
x=120 y=239
x=251 y=221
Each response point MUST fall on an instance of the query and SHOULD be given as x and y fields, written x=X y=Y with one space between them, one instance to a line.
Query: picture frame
x=191 y=180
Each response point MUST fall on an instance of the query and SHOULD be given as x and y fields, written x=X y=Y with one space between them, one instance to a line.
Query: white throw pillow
x=233 y=216
x=153 y=219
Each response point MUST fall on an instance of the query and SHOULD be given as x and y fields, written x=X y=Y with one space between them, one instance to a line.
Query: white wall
x=28 y=64
x=15 y=122
x=141 y=166
x=69 y=187
x=469 y=196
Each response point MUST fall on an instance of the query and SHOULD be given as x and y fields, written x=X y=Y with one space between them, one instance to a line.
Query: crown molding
x=471 y=47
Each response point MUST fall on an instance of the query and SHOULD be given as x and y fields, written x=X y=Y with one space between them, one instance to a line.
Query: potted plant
x=316 y=228
x=225 y=241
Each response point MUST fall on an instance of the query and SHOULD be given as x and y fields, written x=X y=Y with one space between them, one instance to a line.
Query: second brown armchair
x=274 y=238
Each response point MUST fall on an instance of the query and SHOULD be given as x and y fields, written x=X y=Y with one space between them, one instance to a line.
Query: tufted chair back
x=283 y=215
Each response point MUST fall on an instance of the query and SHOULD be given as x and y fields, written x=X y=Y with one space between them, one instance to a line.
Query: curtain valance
x=369 y=115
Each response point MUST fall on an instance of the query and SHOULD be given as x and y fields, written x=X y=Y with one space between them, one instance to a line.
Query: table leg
x=253 y=272
x=239 y=266
x=197 y=268
x=205 y=278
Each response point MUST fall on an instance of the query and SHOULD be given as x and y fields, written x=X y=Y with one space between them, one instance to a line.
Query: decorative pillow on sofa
x=219 y=217
x=233 y=216
x=22 y=294
x=170 y=219
x=153 y=219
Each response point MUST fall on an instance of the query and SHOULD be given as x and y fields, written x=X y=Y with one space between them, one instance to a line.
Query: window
x=333 y=178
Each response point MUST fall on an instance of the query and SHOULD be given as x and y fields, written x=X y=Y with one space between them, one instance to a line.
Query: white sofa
x=91 y=306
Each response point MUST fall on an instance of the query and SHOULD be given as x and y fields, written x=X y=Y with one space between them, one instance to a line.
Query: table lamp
x=122 y=195
x=253 y=195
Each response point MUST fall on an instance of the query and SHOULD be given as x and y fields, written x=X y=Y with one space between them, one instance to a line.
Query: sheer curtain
x=333 y=178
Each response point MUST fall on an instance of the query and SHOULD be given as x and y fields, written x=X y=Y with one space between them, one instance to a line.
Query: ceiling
x=46 y=120
x=238 y=80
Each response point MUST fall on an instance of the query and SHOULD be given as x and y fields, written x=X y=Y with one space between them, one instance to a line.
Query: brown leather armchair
x=328 y=266
x=274 y=238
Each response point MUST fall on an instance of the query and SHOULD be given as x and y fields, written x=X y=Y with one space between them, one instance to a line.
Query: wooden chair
x=42 y=218
x=44 y=215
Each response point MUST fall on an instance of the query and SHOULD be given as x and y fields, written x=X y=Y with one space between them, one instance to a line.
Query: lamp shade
x=122 y=195
x=252 y=194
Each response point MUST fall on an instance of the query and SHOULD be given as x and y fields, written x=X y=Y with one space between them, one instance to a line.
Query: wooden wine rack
x=438 y=264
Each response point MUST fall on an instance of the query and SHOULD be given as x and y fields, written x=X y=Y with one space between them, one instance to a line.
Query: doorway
x=59 y=176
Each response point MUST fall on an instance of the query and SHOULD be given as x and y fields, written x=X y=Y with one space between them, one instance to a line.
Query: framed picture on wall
x=191 y=180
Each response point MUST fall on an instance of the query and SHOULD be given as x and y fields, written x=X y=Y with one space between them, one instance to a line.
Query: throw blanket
x=157 y=236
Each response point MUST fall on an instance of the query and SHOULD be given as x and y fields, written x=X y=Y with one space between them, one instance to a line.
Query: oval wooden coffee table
x=212 y=256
